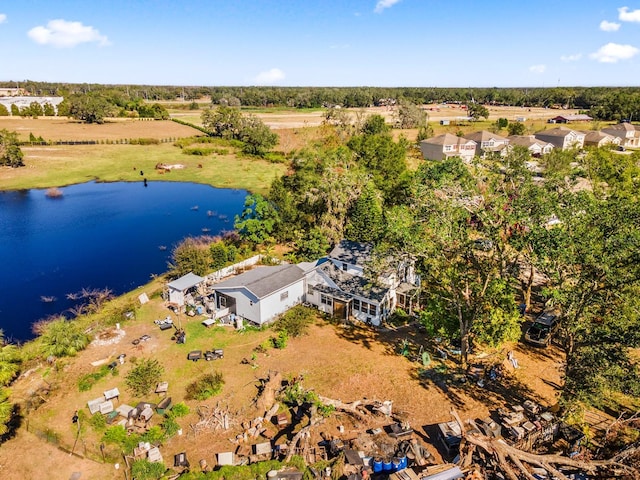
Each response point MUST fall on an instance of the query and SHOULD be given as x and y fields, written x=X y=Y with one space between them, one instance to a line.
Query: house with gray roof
x=340 y=286
x=447 y=145
x=488 y=143
x=628 y=134
x=595 y=138
x=178 y=290
x=562 y=137
x=261 y=294
x=536 y=147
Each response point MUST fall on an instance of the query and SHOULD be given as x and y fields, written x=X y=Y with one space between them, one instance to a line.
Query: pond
x=96 y=236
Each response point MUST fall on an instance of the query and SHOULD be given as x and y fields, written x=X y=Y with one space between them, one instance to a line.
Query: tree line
x=603 y=103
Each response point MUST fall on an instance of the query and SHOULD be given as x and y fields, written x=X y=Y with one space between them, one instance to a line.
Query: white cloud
x=63 y=34
x=382 y=4
x=537 y=68
x=628 y=16
x=614 y=52
x=609 y=26
x=574 y=57
x=269 y=77
x=3 y=17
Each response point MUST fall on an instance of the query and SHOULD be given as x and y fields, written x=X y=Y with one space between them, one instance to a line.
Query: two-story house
x=628 y=134
x=562 y=137
x=488 y=143
x=447 y=145
x=536 y=147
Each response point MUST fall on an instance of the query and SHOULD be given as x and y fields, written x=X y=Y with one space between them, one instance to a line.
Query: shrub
x=63 y=338
x=87 y=381
x=144 y=377
x=144 y=141
x=98 y=422
x=295 y=322
x=206 y=386
x=280 y=342
x=178 y=410
x=146 y=470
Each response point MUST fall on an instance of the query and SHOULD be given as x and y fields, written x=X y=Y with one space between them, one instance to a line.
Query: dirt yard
x=342 y=362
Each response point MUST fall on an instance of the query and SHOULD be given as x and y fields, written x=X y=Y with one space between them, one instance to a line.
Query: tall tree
x=10 y=152
x=258 y=220
x=366 y=219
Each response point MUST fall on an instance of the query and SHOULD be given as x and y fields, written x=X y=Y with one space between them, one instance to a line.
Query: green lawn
x=54 y=166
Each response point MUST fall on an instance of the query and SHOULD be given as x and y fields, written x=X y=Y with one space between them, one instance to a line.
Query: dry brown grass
x=62 y=128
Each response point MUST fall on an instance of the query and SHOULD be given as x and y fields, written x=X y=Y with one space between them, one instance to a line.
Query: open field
x=54 y=166
x=65 y=129
x=366 y=359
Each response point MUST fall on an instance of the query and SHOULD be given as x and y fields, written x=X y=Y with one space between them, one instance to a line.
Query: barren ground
x=346 y=363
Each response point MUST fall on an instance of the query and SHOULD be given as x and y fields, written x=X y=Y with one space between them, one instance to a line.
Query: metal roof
x=263 y=281
x=186 y=282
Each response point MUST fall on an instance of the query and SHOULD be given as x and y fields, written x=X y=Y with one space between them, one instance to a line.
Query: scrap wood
x=212 y=419
x=500 y=450
x=345 y=407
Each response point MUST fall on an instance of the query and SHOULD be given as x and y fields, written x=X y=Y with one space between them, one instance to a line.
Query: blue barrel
x=403 y=462
x=387 y=466
x=396 y=464
x=377 y=465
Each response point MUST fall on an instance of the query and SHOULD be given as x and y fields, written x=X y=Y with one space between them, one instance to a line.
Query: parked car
x=541 y=330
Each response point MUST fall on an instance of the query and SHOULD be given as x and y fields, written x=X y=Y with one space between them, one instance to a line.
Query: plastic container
x=387 y=466
x=377 y=465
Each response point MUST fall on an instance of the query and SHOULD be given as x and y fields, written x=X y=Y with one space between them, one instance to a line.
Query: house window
x=223 y=302
x=309 y=289
x=284 y=295
x=372 y=309
x=448 y=148
x=326 y=300
x=355 y=305
x=401 y=300
x=344 y=267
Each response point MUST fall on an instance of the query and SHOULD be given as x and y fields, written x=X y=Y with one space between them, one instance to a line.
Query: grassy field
x=54 y=166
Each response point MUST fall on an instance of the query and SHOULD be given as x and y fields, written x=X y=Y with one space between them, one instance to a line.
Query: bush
x=146 y=470
x=295 y=322
x=280 y=342
x=87 y=381
x=144 y=377
x=144 y=141
x=206 y=386
x=63 y=338
x=178 y=410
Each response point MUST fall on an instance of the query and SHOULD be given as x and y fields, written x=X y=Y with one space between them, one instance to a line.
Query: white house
x=536 y=147
x=487 y=142
x=447 y=145
x=180 y=288
x=596 y=138
x=339 y=285
x=261 y=294
x=562 y=137
x=628 y=134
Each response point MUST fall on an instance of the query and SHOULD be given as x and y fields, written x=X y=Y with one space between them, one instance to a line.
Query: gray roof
x=574 y=117
x=353 y=284
x=186 y=282
x=446 y=139
x=485 y=136
x=263 y=281
x=557 y=132
x=355 y=253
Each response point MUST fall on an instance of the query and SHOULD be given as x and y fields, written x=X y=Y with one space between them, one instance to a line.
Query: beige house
x=628 y=134
x=536 y=147
x=562 y=137
x=594 y=138
x=447 y=145
x=487 y=142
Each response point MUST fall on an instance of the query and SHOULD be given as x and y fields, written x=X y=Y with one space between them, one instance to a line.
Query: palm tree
x=63 y=338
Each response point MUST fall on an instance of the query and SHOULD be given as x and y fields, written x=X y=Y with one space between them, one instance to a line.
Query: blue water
x=96 y=236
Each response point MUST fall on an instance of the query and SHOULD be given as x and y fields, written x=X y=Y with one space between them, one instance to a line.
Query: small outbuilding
x=178 y=289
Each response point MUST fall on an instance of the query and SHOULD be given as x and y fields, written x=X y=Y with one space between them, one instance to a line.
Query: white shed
x=178 y=288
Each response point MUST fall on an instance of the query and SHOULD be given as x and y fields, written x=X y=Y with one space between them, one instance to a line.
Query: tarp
x=186 y=282
x=451 y=474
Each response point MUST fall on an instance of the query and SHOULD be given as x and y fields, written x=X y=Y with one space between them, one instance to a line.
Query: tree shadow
x=13 y=425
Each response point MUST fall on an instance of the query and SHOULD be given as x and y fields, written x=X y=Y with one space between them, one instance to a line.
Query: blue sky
x=429 y=43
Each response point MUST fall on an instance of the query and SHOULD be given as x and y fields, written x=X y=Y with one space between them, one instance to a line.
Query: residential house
x=594 y=138
x=562 y=137
x=628 y=134
x=487 y=143
x=536 y=147
x=261 y=294
x=339 y=285
x=579 y=117
x=447 y=145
